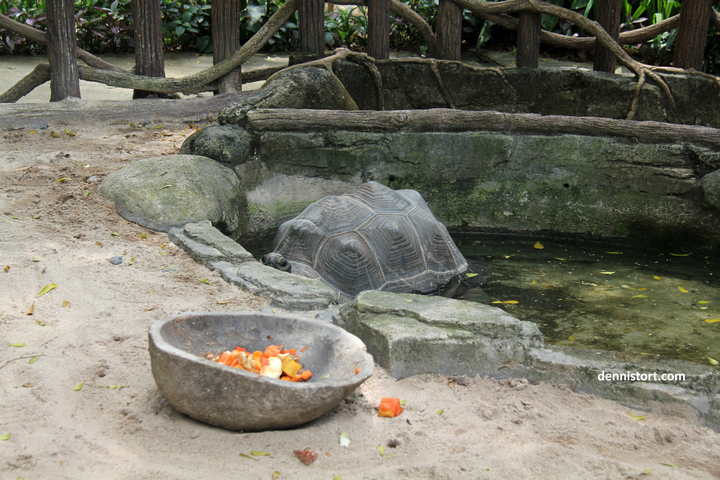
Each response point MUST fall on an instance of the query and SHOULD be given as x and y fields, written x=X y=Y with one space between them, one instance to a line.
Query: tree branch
x=38 y=76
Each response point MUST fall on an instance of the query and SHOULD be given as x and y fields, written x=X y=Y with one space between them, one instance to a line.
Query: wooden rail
x=695 y=17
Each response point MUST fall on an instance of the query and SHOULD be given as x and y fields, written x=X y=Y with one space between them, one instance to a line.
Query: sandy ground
x=91 y=331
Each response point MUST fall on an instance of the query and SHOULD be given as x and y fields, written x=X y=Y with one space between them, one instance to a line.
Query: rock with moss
x=230 y=145
x=165 y=192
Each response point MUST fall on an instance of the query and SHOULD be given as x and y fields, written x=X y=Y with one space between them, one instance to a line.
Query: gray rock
x=298 y=87
x=230 y=145
x=171 y=191
x=411 y=334
x=710 y=184
x=117 y=260
x=206 y=243
x=286 y=290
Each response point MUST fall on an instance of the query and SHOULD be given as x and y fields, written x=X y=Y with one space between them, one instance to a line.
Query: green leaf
x=5 y=437
x=62 y=179
x=17 y=345
x=79 y=386
x=671 y=465
x=260 y=454
x=440 y=412
x=46 y=289
x=381 y=449
x=324 y=377
x=35 y=359
x=206 y=281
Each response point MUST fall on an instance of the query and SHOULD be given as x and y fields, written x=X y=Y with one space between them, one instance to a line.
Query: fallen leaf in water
x=506 y=301
x=32 y=309
x=712 y=320
x=704 y=301
x=614 y=253
x=471 y=275
x=572 y=339
x=637 y=417
x=641 y=289
x=260 y=454
x=534 y=282
x=627 y=286
x=639 y=296
x=306 y=456
x=656 y=277
x=682 y=290
x=46 y=289
x=713 y=361
x=538 y=245
x=561 y=259
x=607 y=273
x=79 y=386
x=680 y=254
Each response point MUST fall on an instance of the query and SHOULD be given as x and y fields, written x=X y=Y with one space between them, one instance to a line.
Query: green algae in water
x=606 y=298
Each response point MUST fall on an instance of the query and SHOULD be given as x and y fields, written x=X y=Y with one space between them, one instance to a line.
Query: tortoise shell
x=372 y=238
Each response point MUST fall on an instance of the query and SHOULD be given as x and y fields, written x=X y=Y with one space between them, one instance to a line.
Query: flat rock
x=410 y=334
x=289 y=291
x=171 y=191
x=206 y=243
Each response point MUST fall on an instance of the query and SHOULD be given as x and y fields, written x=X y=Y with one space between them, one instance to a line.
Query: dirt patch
x=93 y=327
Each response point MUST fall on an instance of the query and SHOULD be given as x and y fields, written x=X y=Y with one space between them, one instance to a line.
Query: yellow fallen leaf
x=62 y=179
x=656 y=277
x=637 y=417
x=79 y=386
x=607 y=273
x=69 y=133
x=614 y=253
x=31 y=310
x=440 y=412
x=260 y=454
x=572 y=339
x=506 y=301
x=143 y=235
x=539 y=246
x=5 y=436
x=680 y=254
x=561 y=259
x=713 y=361
x=704 y=301
x=639 y=296
x=641 y=289
x=712 y=320
x=682 y=290
x=46 y=289
x=99 y=244
x=381 y=449
x=534 y=282
x=7 y=268
x=32 y=132
x=65 y=304
x=471 y=275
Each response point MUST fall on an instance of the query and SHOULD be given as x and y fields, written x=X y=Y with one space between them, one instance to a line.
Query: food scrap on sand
x=273 y=362
x=390 y=407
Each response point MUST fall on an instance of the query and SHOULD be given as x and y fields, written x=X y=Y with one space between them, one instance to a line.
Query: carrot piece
x=256 y=356
x=233 y=362
x=271 y=351
x=264 y=361
x=390 y=407
x=239 y=365
x=357 y=370
x=240 y=349
x=297 y=377
x=306 y=374
x=291 y=351
x=286 y=378
x=224 y=357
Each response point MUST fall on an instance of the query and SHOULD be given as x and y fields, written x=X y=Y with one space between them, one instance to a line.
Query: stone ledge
x=411 y=334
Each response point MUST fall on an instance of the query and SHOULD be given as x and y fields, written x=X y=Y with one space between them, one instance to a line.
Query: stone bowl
x=239 y=400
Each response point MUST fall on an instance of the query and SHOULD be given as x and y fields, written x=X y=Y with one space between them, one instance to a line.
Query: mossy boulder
x=165 y=192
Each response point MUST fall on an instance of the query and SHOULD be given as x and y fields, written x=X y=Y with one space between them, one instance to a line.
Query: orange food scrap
x=357 y=370
x=390 y=407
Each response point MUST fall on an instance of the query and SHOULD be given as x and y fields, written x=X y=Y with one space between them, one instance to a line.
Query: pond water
x=607 y=298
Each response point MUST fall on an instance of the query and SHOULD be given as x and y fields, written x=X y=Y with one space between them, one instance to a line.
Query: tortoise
x=373 y=238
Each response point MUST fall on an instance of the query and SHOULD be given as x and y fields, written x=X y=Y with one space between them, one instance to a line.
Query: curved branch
x=194 y=83
x=39 y=36
x=408 y=14
x=586 y=43
x=38 y=76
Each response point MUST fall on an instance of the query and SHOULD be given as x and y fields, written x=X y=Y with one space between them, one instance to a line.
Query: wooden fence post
x=225 y=24
x=528 y=49
x=692 y=33
x=64 y=74
x=609 y=12
x=147 y=28
x=312 y=26
x=449 y=30
x=378 y=29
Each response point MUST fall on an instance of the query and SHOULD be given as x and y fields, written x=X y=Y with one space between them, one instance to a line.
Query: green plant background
x=106 y=26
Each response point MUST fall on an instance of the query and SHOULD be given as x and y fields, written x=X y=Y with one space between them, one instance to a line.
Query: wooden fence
x=694 y=21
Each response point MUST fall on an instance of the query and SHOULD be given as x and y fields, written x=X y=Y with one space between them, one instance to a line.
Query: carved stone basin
x=239 y=400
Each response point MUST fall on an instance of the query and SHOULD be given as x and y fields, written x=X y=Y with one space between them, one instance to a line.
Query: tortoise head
x=276 y=260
